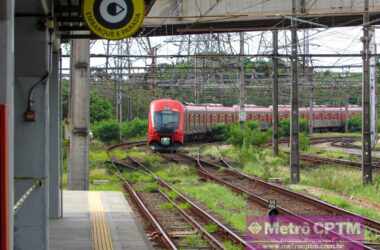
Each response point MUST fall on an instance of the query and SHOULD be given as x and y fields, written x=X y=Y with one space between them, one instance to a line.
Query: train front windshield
x=166 y=121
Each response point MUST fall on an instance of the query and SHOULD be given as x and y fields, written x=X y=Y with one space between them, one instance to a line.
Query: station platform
x=96 y=221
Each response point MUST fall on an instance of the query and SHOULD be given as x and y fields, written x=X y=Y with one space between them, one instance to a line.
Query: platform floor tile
x=83 y=212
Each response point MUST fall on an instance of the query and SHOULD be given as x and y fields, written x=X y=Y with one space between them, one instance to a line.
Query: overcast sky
x=322 y=41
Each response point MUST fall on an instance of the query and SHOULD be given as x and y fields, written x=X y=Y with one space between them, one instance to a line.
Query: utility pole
x=129 y=100
x=242 y=80
x=196 y=85
x=79 y=141
x=275 y=121
x=119 y=80
x=107 y=58
x=294 y=126
x=366 y=132
x=308 y=72
x=347 y=113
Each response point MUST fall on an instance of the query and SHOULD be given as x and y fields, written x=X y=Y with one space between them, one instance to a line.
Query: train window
x=166 y=121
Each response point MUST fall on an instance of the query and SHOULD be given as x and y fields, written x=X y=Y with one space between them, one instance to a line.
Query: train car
x=166 y=124
x=171 y=123
x=199 y=119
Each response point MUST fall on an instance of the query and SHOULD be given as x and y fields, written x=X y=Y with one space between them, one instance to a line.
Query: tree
x=100 y=108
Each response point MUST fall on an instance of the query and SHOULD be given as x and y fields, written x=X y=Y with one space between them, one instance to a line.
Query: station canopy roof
x=180 y=17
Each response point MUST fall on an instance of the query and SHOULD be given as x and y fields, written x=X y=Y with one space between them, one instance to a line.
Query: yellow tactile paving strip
x=100 y=231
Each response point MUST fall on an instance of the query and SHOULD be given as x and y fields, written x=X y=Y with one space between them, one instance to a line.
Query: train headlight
x=165 y=141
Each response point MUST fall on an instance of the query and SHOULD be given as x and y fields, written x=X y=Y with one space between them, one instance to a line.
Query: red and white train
x=170 y=122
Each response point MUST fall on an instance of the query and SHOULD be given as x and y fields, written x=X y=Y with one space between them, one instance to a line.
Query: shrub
x=284 y=127
x=259 y=138
x=252 y=125
x=236 y=135
x=355 y=124
x=304 y=126
x=248 y=135
x=100 y=108
x=107 y=131
x=220 y=132
x=134 y=128
x=304 y=142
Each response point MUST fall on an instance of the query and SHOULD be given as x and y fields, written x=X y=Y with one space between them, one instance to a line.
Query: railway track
x=261 y=193
x=320 y=140
x=171 y=225
x=314 y=159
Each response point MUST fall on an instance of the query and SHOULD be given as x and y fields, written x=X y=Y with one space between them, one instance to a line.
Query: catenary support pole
x=366 y=131
x=78 y=166
x=275 y=138
x=310 y=73
x=242 y=80
x=294 y=128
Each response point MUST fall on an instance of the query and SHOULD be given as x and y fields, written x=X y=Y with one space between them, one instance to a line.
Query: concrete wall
x=6 y=86
x=31 y=138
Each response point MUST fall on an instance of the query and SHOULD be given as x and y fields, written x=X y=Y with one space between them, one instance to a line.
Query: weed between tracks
x=220 y=200
x=339 y=182
x=223 y=202
x=334 y=154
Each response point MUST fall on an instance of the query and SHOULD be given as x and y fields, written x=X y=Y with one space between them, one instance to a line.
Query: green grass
x=194 y=241
x=343 y=203
x=166 y=206
x=231 y=246
x=342 y=181
x=100 y=178
x=211 y=228
x=112 y=183
x=335 y=154
x=177 y=173
x=212 y=151
x=118 y=154
x=146 y=157
x=222 y=201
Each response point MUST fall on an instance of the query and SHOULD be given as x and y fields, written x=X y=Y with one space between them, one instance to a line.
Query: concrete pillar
x=78 y=165
x=31 y=143
x=6 y=99
x=55 y=136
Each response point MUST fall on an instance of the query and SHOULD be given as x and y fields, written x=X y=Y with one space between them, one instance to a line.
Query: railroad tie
x=100 y=231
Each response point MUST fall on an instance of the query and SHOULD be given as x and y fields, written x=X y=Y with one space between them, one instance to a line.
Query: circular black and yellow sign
x=114 y=19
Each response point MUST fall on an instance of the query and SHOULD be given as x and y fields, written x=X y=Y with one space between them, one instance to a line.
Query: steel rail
x=211 y=239
x=139 y=201
x=257 y=199
x=319 y=203
x=164 y=237
x=127 y=144
x=325 y=160
x=231 y=235
x=153 y=221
